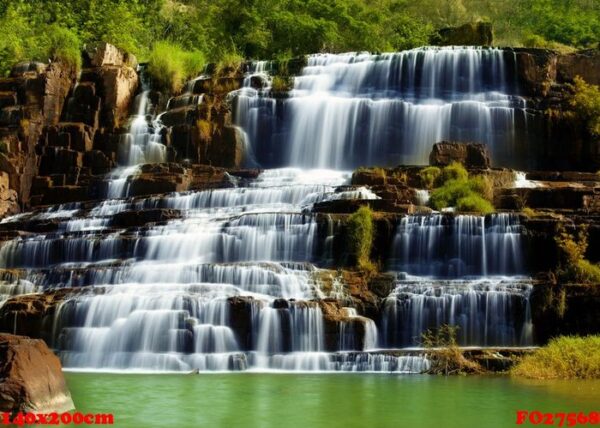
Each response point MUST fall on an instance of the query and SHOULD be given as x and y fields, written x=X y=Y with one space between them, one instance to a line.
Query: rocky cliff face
x=31 y=379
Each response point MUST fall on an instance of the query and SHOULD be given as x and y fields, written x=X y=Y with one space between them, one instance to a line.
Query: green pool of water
x=323 y=400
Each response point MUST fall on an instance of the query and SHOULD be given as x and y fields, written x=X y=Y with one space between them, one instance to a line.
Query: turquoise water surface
x=323 y=400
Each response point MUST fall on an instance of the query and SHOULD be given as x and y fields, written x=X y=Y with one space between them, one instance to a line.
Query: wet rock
x=569 y=198
x=471 y=155
x=61 y=195
x=32 y=314
x=227 y=148
x=141 y=218
x=98 y=162
x=240 y=319
x=32 y=380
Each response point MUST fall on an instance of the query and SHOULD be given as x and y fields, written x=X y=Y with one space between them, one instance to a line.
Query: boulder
x=102 y=54
x=119 y=85
x=470 y=34
x=227 y=148
x=32 y=378
x=471 y=155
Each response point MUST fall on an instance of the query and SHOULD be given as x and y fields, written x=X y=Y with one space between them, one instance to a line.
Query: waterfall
x=440 y=245
x=235 y=280
x=488 y=312
x=349 y=110
x=225 y=287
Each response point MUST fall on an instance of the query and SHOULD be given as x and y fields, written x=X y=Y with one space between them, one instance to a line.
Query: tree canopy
x=44 y=29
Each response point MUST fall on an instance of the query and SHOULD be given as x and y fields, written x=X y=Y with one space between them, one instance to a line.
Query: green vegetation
x=429 y=176
x=281 y=84
x=573 y=267
x=279 y=29
x=170 y=66
x=360 y=233
x=444 y=353
x=585 y=100
x=565 y=357
x=456 y=189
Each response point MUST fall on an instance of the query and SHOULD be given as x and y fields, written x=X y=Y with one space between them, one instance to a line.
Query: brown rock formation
x=31 y=377
x=471 y=155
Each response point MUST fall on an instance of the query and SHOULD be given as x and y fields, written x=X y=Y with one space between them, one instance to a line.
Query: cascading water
x=231 y=283
x=226 y=287
x=349 y=110
x=440 y=245
x=487 y=312
x=142 y=144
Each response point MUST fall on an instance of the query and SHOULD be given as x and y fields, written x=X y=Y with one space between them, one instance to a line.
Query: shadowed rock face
x=32 y=380
x=471 y=155
x=474 y=33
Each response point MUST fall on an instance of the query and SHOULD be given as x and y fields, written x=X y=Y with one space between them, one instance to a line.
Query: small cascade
x=348 y=332
x=348 y=110
x=446 y=246
x=487 y=312
x=143 y=143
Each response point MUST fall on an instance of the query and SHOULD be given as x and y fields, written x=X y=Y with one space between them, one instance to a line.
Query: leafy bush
x=565 y=357
x=585 y=100
x=169 y=66
x=573 y=267
x=360 y=233
x=456 y=189
x=63 y=45
x=449 y=193
x=474 y=203
x=429 y=176
x=454 y=171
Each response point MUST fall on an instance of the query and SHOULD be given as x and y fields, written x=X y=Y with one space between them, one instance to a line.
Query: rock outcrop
x=471 y=155
x=31 y=379
x=470 y=34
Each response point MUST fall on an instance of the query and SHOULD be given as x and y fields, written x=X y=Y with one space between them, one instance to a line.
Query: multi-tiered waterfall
x=234 y=283
x=353 y=110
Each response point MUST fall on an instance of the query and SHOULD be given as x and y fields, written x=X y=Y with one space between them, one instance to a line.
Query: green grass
x=169 y=66
x=474 y=203
x=454 y=171
x=565 y=357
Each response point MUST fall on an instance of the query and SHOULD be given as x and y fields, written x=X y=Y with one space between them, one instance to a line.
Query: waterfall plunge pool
x=319 y=400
